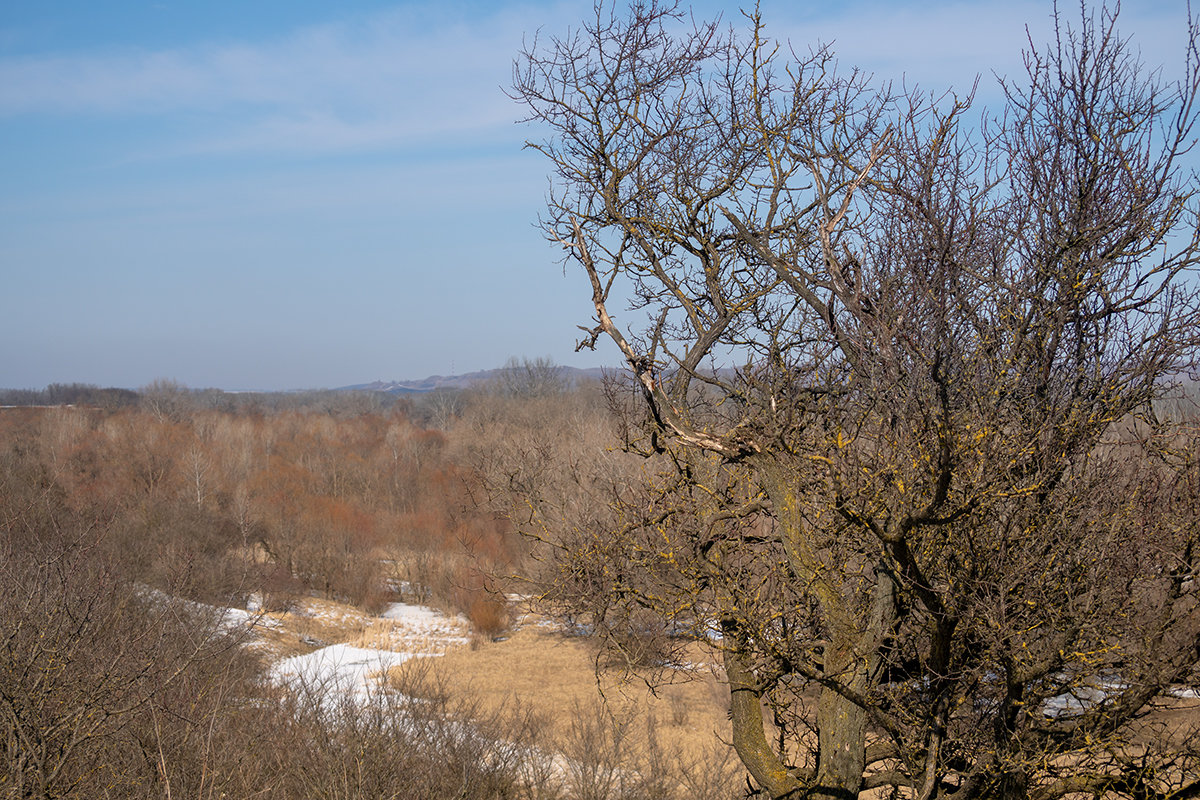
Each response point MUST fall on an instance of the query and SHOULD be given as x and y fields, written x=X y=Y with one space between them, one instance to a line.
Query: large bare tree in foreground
x=897 y=375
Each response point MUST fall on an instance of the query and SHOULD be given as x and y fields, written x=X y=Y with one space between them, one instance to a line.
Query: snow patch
x=227 y=619
x=1077 y=700
x=340 y=668
x=426 y=622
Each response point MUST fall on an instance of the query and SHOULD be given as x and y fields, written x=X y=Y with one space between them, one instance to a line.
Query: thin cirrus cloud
x=403 y=77
x=386 y=81
x=941 y=46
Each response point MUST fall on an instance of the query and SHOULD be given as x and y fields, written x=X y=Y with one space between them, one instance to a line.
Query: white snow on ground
x=1096 y=690
x=1078 y=700
x=237 y=617
x=406 y=631
x=340 y=669
x=416 y=631
x=227 y=619
x=427 y=623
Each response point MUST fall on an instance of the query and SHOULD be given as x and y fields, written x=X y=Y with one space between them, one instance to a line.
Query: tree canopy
x=895 y=363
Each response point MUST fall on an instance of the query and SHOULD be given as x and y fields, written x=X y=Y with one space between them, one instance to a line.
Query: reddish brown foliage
x=325 y=502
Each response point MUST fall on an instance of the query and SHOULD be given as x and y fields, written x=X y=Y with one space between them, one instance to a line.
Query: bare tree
x=528 y=378
x=896 y=375
x=167 y=400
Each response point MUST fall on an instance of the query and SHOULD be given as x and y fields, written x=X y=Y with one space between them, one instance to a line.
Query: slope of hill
x=436 y=382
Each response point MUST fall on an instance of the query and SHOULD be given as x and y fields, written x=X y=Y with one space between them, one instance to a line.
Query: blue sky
x=275 y=194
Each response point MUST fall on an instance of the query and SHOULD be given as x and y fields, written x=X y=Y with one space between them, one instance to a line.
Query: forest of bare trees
x=125 y=528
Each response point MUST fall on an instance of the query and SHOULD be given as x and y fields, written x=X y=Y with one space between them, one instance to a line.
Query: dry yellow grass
x=540 y=687
x=312 y=623
x=552 y=675
x=545 y=683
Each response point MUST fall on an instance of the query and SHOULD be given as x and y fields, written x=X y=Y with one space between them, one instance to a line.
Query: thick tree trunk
x=841 y=735
x=841 y=732
x=856 y=632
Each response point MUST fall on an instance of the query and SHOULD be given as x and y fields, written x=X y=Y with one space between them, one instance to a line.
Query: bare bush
x=96 y=674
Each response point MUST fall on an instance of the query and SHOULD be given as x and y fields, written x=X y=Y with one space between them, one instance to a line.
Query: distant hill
x=435 y=382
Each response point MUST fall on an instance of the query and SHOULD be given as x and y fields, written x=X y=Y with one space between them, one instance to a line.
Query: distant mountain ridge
x=435 y=382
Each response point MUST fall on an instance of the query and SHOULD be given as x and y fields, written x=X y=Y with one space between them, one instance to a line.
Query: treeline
x=519 y=377
x=60 y=394
x=183 y=398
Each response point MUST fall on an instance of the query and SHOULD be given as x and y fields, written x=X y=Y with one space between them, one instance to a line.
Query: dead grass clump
x=488 y=615
x=319 y=622
x=381 y=634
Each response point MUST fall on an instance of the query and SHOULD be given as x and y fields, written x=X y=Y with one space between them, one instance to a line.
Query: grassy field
x=555 y=691
x=554 y=675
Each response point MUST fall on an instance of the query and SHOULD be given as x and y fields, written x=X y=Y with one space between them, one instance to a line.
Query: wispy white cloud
x=419 y=74
x=382 y=81
x=943 y=44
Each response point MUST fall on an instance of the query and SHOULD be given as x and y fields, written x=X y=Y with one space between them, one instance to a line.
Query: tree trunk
x=746 y=713
x=841 y=734
x=851 y=657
